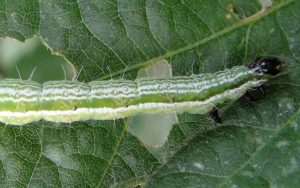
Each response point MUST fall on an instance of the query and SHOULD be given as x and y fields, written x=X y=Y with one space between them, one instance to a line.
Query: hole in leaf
x=30 y=55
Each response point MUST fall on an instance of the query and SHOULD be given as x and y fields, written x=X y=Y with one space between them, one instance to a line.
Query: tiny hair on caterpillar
x=25 y=101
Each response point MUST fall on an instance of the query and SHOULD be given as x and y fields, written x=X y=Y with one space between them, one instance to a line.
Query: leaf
x=258 y=144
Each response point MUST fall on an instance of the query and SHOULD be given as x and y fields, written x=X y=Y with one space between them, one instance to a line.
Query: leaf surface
x=258 y=144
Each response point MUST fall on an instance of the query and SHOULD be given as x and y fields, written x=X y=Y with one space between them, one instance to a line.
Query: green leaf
x=258 y=144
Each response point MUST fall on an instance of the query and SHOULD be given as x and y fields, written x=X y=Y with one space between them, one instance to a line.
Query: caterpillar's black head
x=267 y=65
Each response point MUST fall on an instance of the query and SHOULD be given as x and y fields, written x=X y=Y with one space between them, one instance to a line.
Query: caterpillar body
x=25 y=101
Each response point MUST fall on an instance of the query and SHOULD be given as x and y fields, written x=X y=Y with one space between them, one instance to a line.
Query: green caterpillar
x=25 y=101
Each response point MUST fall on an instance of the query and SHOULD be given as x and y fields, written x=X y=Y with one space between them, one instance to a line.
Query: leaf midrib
x=252 y=19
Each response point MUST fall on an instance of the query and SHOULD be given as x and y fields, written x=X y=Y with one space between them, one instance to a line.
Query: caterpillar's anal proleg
x=24 y=101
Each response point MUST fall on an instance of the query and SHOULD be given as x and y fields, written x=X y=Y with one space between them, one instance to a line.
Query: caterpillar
x=25 y=101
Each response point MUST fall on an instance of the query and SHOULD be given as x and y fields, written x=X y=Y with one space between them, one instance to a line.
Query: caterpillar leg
x=249 y=96
x=215 y=115
x=262 y=90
